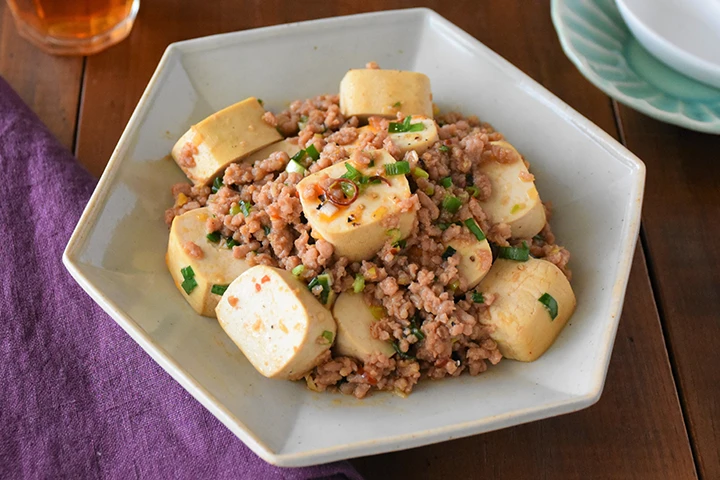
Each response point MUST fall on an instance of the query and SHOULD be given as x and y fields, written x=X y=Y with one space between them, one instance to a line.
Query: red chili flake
x=265 y=279
x=368 y=378
x=257 y=287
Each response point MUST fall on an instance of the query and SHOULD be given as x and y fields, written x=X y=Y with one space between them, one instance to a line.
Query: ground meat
x=423 y=304
x=187 y=197
x=186 y=159
x=193 y=250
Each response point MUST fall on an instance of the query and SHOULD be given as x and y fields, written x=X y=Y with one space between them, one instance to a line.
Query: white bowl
x=685 y=34
x=117 y=250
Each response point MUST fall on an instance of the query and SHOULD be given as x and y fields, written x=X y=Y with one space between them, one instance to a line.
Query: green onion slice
x=234 y=210
x=297 y=271
x=378 y=312
x=449 y=252
x=405 y=126
x=299 y=156
x=267 y=229
x=451 y=203
x=472 y=225
x=189 y=283
x=352 y=173
x=328 y=335
x=218 y=289
x=444 y=148
x=231 y=242
x=550 y=304
x=325 y=281
x=213 y=237
x=245 y=207
x=420 y=173
x=472 y=190
x=359 y=283
x=217 y=184
x=400 y=353
x=477 y=297
x=519 y=254
x=398 y=168
x=312 y=152
x=397 y=104
x=187 y=272
x=446 y=182
x=294 y=166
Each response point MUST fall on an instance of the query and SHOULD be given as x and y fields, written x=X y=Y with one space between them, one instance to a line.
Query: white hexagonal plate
x=117 y=250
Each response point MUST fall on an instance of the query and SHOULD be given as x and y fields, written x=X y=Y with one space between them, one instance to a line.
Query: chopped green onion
x=189 y=283
x=359 y=283
x=294 y=166
x=303 y=118
x=328 y=335
x=217 y=184
x=446 y=182
x=405 y=126
x=234 y=210
x=451 y=203
x=213 y=237
x=378 y=312
x=218 y=289
x=477 y=297
x=443 y=226
x=348 y=189
x=398 y=168
x=472 y=225
x=297 y=271
x=267 y=229
x=187 y=272
x=325 y=281
x=416 y=331
x=519 y=254
x=312 y=152
x=430 y=191
x=454 y=285
x=449 y=252
x=352 y=173
x=400 y=243
x=299 y=156
x=444 y=148
x=231 y=242
x=397 y=104
x=420 y=173
x=550 y=304
x=245 y=207
x=394 y=234
x=260 y=101
x=539 y=238
x=473 y=190
x=400 y=353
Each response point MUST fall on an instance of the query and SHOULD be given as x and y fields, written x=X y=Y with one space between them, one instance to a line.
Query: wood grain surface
x=681 y=223
x=49 y=85
x=638 y=428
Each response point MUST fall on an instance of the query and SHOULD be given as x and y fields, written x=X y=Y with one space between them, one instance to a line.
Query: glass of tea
x=74 y=27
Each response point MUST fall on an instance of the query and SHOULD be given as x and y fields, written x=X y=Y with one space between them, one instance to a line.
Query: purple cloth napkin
x=78 y=398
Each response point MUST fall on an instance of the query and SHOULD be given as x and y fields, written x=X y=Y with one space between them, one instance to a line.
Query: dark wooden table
x=659 y=417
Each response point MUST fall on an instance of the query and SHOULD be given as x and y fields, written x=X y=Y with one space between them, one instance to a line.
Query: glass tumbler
x=74 y=27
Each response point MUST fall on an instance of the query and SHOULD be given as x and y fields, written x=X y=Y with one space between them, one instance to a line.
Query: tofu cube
x=224 y=137
x=420 y=141
x=366 y=92
x=514 y=199
x=475 y=259
x=359 y=230
x=354 y=318
x=524 y=327
x=278 y=324
x=211 y=263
